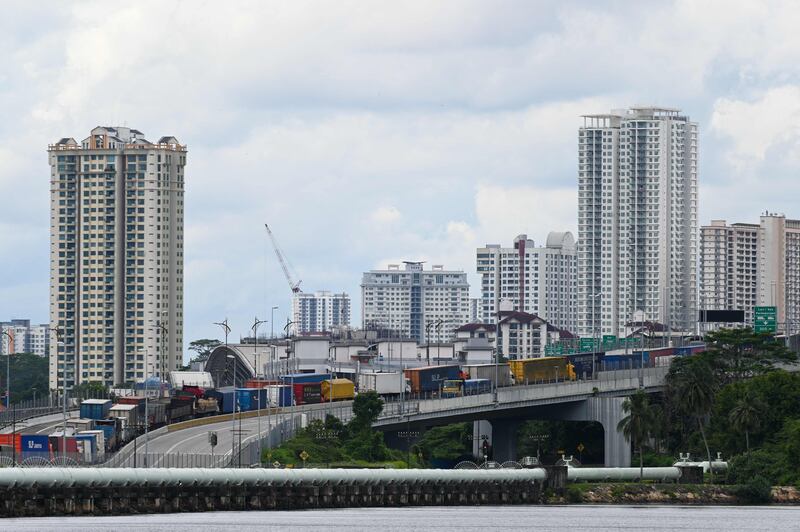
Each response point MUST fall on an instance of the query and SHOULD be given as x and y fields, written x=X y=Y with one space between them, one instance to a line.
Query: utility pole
x=256 y=323
x=227 y=329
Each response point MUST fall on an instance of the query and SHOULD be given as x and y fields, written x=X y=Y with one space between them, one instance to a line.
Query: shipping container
x=206 y=407
x=95 y=408
x=251 y=398
x=430 y=378
x=337 y=390
x=129 y=414
x=110 y=428
x=10 y=440
x=196 y=391
x=137 y=400
x=304 y=377
x=57 y=442
x=476 y=386
x=584 y=363
x=625 y=361
x=226 y=398
x=35 y=445
x=281 y=395
x=487 y=371
x=80 y=424
x=89 y=452
x=101 y=441
x=383 y=383
x=179 y=411
x=307 y=393
x=543 y=369
x=259 y=383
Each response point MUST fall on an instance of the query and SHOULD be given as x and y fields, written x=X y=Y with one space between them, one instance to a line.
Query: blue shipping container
x=92 y=439
x=583 y=363
x=35 y=445
x=95 y=408
x=477 y=386
x=297 y=378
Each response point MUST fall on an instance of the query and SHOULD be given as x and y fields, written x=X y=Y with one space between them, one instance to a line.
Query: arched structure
x=221 y=367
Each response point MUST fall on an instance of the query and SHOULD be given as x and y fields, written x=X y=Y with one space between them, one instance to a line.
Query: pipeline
x=59 y=477
x=718 y=465
x=578 y=474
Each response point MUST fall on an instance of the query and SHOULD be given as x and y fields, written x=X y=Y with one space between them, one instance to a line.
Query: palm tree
x=745 y=416
x=638 y=423
x=693 y=387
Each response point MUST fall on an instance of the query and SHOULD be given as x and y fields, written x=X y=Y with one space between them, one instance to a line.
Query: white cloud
x=385 y=215
x=758 y=125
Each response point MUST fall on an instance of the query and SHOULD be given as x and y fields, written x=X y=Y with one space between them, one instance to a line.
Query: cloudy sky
x=372 y=132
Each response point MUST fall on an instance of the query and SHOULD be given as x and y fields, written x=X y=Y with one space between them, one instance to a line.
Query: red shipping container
x=307 y=393
x=259 y=383
x=6 y=440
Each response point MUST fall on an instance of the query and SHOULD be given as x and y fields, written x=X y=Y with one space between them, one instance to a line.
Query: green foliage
x=743 y=468
x=89 y=390
x=366 y=409
x=574 y=494
x=203 y=348
x=639 y=422
x=449 y=442
x=549 y=437
x=757 y=490
x=737 y=354
x=745 y=416
x=29 y=374
x=658 y=459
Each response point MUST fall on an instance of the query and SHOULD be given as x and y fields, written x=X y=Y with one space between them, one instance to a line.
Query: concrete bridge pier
x=608 y=412
x=504 y=439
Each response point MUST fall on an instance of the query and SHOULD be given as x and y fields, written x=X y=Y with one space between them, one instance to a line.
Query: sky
x=366 y=133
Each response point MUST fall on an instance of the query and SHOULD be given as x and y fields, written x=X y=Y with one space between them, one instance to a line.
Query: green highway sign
x=765 y=319
x=587 y=344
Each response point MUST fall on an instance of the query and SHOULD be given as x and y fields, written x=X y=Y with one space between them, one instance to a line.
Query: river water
x=467 y=518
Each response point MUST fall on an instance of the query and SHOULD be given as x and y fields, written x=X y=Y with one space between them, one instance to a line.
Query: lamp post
x=8 y=390
x=439 y=342
x=227 y=329
x=60 y=340
x=428 y=342
x=594 y=335
x=147 y=367
x=256 y=323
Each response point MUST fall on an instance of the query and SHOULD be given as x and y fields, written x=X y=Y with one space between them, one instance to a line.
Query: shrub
x=745 y=467
x=758 y=490
x=574 y=494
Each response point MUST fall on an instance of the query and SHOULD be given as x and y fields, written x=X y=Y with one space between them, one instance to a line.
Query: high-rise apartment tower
x=116 y=257
x=637 y=220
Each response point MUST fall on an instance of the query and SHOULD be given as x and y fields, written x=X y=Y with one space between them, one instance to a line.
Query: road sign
x=587 y=344
x=609 y=340
x=581 y=447
x=304 y=456
x=765 y=319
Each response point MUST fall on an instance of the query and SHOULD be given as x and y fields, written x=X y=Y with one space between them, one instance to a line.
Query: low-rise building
x=22 y=337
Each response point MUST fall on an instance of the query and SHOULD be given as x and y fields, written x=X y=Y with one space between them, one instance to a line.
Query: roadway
x=39 y=425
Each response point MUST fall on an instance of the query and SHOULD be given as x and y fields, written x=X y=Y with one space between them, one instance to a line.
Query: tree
x=90 y=390
x=745 y=416
x=737 y=354
x=638 y=423
x=203 y=348
x=28 y=376
x=366 y=409
x=691 y=387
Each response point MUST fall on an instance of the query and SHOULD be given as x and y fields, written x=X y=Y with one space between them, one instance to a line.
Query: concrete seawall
x=86 y=493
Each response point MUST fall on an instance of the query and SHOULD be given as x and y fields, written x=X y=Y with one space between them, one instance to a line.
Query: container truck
x=543 y=369
x=337 y=390
x=279 y=395
x=463 y=387
x=307 y=393
x=430 y=378
x=99 y=435
x=79 y=424
x=586 y=363
x=487 y=371
x=382 y=383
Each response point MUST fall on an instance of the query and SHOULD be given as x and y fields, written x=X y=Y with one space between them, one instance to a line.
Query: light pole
x=594 y=335
x=60 y=340
x=439 y=342
x=256 y=323
x=227 y=329
x=8 y=391
x=147 y=366
x=428 y=342
x=162 y=329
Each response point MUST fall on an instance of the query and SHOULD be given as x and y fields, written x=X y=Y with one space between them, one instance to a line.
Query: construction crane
x=295 y=287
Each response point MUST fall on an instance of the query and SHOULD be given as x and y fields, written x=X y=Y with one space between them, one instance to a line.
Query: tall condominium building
x=320 y=311
x=637 y=220
x=427 y=305
x=747 y=265
x=116 y=257
x=22 y=337
x=536 y=280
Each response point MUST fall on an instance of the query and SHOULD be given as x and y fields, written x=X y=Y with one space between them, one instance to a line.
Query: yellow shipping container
x=544 y=369
x=342 y=389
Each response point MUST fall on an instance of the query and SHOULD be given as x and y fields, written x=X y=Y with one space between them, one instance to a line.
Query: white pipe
x=57 y=477
x=576 y=474
x=716 y=464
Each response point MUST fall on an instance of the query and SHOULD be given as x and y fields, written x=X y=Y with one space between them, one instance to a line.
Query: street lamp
x=256 y=323
x=428 y=342
x=147 y=366
x=60 y=340
x=439 y=342
x=8 y=389
x=594 y=335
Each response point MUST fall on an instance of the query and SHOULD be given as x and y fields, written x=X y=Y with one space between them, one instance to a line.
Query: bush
x=758 y=490
x=574 y=494
x=761 y=463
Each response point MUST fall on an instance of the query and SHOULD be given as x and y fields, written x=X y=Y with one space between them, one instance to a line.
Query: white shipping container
x=389 y=383
x=101 y=441
x=487 y=371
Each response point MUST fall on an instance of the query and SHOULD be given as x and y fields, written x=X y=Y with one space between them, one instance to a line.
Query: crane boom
x=295 y=287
